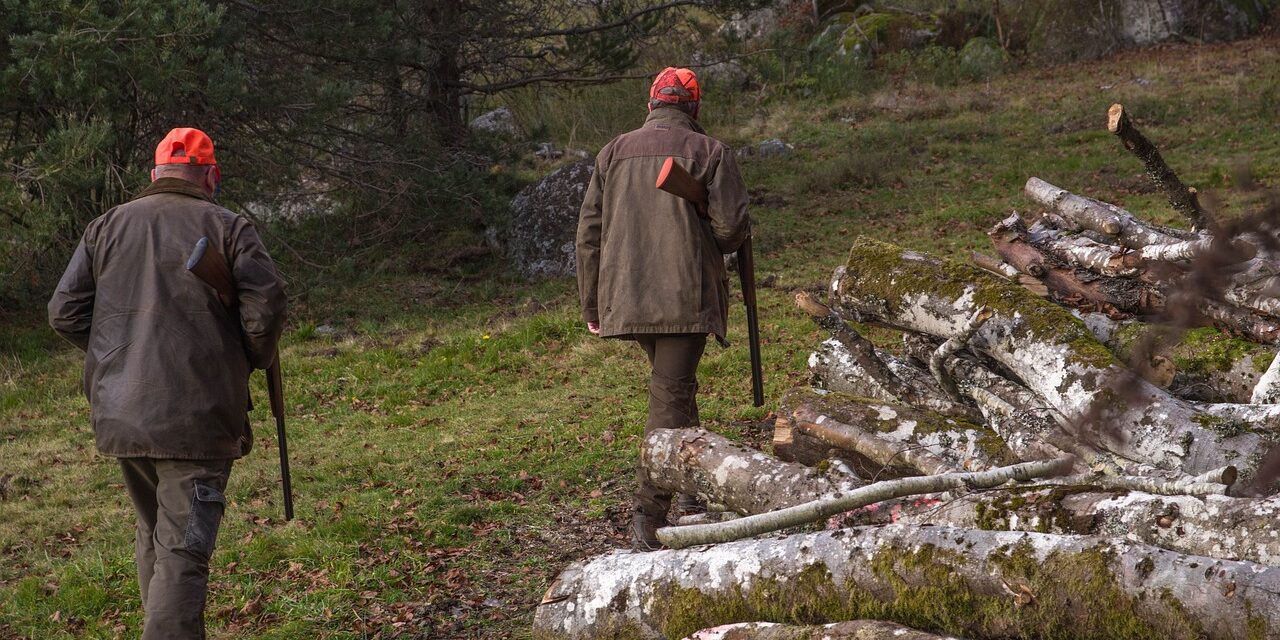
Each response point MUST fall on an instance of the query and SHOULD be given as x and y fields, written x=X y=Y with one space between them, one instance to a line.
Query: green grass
x=459 y=439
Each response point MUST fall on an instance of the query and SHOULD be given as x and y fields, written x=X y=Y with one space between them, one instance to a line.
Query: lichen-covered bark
x=959 y=443
x=1212 y=526
x=1053 y=354
x=699 y=462
x=1181 y=197
x=1208 y=365
x=851 y=630
x=978 y=584
x=1067 y=283
x=835 y=367
x=816 y=510
x=1101 y=217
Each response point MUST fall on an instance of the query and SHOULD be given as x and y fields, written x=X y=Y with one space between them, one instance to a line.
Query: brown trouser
x=673 y=402
x=179 y=504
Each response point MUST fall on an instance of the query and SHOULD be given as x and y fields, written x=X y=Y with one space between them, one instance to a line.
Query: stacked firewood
x=1047 y=454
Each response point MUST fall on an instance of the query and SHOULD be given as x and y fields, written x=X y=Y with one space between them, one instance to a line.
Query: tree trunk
x=1213 y=526
x=1072 y=285
x=953 y=443
x=980 y=584
x=699 y=462
x=1055 y=356
x=1100 y=217
x=851 y=630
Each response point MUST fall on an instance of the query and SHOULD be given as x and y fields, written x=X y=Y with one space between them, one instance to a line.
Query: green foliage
x=87 y=87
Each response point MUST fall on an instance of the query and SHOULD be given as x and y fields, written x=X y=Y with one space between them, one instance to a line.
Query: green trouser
x=673 y=402
x=179 y=504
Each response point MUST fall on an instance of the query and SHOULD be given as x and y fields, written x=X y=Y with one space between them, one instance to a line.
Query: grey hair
x=690 y=108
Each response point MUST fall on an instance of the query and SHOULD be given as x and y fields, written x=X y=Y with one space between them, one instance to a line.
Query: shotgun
x=675 y=180
x=207 y=263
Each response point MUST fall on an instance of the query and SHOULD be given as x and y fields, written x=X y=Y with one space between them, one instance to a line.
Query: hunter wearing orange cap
x=167 y=365
x=650 y=269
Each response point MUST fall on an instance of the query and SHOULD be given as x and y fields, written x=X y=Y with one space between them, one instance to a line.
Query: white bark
x=851 y=630
x=1213 y=526
x=1267 y=390
x=1099 y=216
x=699 y=462
x=681 y=537
x=1005 y=584
x=1053 y=354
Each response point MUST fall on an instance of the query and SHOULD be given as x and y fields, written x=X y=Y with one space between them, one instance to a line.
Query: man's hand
x=593 y=327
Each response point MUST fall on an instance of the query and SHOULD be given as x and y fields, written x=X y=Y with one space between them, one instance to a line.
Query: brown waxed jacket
x=646 y=262
x=166 y=364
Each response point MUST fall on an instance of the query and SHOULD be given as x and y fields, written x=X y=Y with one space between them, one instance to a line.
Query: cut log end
x=1116 y=118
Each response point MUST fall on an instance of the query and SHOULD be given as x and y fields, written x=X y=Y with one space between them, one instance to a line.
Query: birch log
x=1101 y=217
x=851 y=630
x=699 y=462
x=957 y=443
x=1077 y=287
x=1054 y=355
x=1214 y=526
x=977 y=584
x=801 y=514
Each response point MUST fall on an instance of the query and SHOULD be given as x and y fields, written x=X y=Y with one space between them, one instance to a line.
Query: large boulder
x=544 y=222
x=750 y=25
x=499 y=121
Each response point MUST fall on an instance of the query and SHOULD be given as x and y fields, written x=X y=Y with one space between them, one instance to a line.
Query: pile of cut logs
x=1076 y=440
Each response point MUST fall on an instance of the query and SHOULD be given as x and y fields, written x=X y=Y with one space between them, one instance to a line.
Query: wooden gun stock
x=208 y=264
x=675 y=180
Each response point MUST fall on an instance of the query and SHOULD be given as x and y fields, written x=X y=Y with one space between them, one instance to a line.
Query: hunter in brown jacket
x=651 y=270
x=167 y=365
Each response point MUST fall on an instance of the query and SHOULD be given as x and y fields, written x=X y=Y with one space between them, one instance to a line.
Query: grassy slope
x=458 y=442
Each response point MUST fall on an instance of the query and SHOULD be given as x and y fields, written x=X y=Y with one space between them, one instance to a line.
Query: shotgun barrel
x=675 y=180
x=208 y=264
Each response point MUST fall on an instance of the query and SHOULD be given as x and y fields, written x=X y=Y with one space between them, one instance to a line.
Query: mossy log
x=977 y=584
x=851 y=630
x=955 y=443
x=1207 y=365
x=1052 y=353
x=1213 y=526
x=699 y=462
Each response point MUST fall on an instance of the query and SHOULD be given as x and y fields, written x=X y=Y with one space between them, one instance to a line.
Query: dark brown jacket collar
x=174 y=185
x=667 y=116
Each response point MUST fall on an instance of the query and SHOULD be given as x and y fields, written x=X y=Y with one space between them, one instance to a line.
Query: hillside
x=457 y=437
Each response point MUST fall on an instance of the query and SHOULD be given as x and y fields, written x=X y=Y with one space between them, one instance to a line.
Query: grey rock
x=728 y=74
x=769 y=148
x=500 y=121
x=750 y=25
x=326 y=330
x=544 y=222
x=547 y=151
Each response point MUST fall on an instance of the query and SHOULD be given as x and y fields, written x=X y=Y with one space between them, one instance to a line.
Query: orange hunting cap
x=676 y=85
x=185 y=145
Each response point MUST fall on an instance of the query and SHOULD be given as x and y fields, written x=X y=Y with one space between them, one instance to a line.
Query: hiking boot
x=644 y=531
